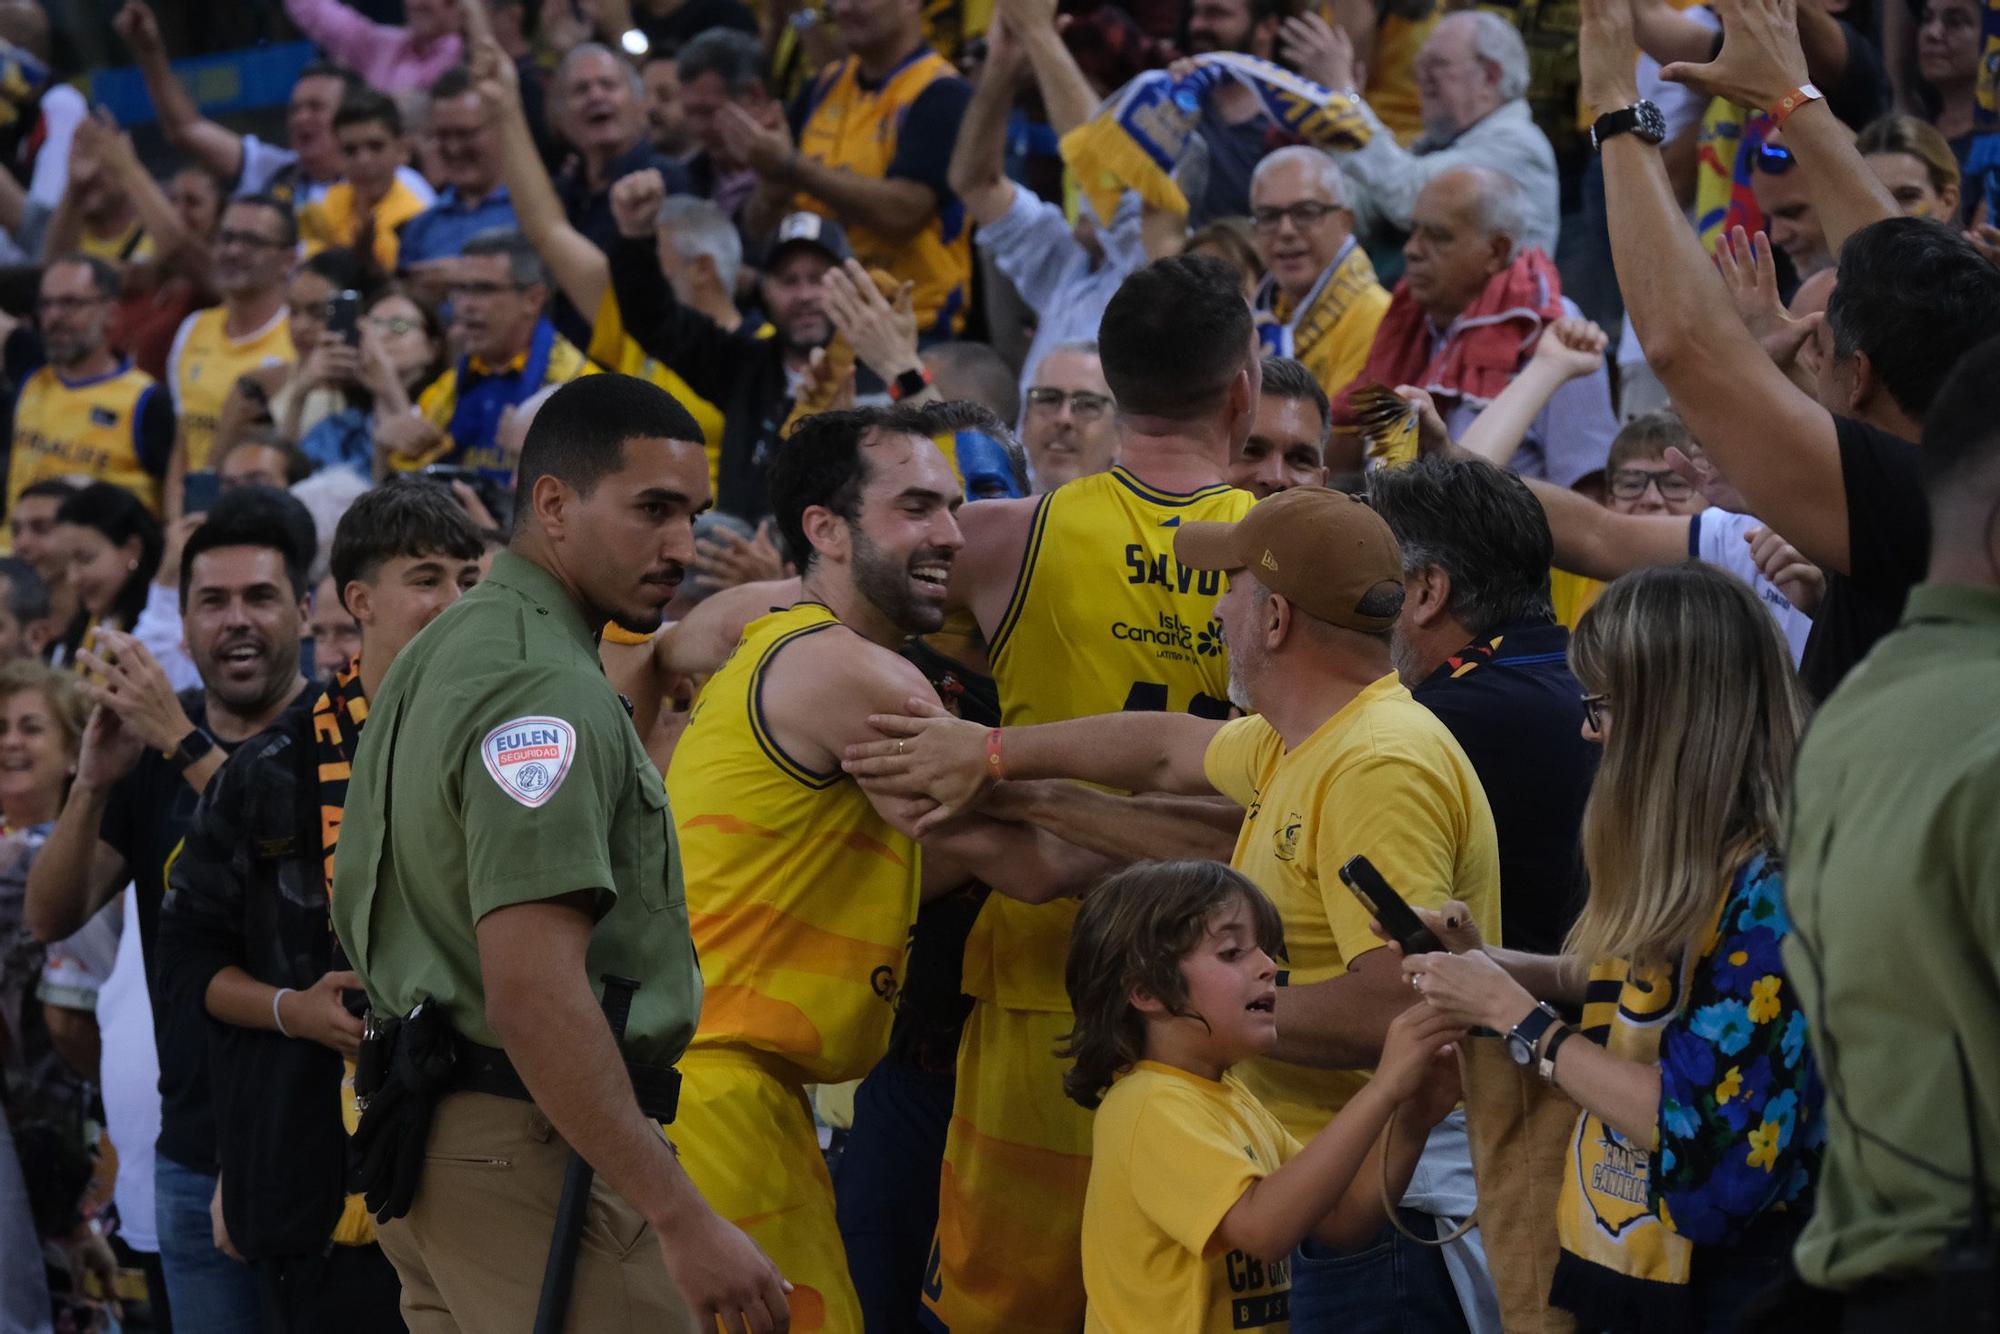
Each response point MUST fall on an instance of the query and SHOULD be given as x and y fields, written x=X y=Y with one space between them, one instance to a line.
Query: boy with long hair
x=1197 y=1194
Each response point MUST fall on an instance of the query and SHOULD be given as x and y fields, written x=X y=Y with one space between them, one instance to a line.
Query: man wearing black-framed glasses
x=87 y=411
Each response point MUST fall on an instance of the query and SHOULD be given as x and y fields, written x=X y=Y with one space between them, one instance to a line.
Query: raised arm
x=1761 y=61
x=1774 y=442
x=1066 y=93
x=581 y=270
x=1569 y=349
x=343 y=33
x=976 y=173
x=181 y=122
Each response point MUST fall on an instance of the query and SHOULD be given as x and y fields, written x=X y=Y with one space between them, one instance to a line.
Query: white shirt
x=1717 y=536
x=1386 y=177
x=1032 y=245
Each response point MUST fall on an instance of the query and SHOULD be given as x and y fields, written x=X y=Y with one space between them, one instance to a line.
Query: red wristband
x=993 y=765
x=1781 y=111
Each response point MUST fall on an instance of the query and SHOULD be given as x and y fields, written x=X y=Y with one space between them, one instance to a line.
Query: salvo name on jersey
x=1171 y=636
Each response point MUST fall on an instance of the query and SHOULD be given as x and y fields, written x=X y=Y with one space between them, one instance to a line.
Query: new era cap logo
x=1269 y=562
x=529 y=757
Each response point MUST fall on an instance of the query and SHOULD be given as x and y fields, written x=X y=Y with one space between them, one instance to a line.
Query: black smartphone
x=343 y=317
x=198 y=492
x=1397 y=917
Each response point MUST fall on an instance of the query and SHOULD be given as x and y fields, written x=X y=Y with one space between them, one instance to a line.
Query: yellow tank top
x=856 y=127
x=1103 y=618
x=800 y=896
x=205 y=365
x=88 y=428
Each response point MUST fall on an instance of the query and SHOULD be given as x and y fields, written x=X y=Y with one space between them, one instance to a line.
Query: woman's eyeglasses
x=395 y=326
x=1593 y=710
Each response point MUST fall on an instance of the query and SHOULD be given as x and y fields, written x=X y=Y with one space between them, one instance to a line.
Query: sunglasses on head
x=1774 y=160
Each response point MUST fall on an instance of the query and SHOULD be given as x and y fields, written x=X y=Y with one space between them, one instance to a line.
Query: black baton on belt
x=575 y=1201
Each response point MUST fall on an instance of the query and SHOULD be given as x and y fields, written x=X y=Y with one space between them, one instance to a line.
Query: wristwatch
x=1524 y=1036
x=909 y=384
x=1546 y=1067
x=1641 y=118
x=192 y=747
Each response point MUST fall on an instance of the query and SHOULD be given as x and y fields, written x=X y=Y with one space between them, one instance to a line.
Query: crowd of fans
x=1658 y=341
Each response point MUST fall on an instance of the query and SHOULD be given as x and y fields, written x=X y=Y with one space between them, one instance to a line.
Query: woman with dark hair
x=111 y=544
x=401 y=350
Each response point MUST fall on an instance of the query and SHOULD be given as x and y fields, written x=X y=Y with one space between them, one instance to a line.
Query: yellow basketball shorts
x=1008 y=1252
x=745 y=1136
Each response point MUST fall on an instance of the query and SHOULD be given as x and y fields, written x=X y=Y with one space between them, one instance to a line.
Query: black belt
x=480 y=1069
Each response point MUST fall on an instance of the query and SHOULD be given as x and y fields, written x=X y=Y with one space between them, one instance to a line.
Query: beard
x=1241 y=662
x=885 y=581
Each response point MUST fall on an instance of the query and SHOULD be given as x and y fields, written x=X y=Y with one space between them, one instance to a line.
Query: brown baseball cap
x=1325 y=551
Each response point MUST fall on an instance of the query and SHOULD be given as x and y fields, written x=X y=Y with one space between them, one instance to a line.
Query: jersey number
x=1151 y=697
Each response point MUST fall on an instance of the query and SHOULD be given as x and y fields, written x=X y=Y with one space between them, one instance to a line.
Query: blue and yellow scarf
x=1138 y=136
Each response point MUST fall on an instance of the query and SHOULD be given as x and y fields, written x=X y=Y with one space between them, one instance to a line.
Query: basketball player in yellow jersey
x=801 y=888
x=1085 y=610
x=87 y=412
x=254 y=249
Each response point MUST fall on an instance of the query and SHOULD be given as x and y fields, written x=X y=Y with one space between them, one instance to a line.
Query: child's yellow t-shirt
x=1171 y=1154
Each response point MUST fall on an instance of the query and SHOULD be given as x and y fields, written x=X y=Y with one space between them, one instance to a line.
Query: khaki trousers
x=472 y=1249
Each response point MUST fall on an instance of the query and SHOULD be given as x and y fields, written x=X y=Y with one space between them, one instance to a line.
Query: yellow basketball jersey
x=800 y=896
x=1103 y=618
x=88 y=428
x=855 y=127
x=205 y=365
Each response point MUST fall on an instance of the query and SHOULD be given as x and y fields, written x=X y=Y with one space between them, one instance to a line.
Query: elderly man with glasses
x=1067 y=422
x=1319 y=302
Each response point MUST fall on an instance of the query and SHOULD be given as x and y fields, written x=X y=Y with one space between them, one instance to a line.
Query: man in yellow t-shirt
x=1336 y=761
x=365 y=209
x=213 y=348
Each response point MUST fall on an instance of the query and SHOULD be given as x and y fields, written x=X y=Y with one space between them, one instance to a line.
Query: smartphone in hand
x=1397 y=917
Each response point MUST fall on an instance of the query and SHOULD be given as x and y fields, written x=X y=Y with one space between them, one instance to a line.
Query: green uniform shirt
x=499 y=767
x=1893 y=883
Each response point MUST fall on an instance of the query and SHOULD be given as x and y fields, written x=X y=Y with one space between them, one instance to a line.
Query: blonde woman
x=1692 y=1163
x=1915 y=163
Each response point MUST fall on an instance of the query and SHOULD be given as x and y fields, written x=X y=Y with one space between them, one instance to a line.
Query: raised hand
x=139 y=29
x=1574 y=347
x=1760 y=61
x=636 y=200
x=883 y=334
x=1318 y=50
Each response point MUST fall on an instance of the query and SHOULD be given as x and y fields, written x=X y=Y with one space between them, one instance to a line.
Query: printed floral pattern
x=1741 y=1129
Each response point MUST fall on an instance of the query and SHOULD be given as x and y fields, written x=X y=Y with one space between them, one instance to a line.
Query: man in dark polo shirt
x=1478 y=645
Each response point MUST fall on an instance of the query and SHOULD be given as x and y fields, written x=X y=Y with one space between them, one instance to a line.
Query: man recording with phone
x=1335 y=760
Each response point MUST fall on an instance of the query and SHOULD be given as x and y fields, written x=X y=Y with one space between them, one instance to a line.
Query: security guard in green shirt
x=506 y=843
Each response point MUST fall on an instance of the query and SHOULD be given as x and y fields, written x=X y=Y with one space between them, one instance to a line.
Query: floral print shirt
x=1741 y=1128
